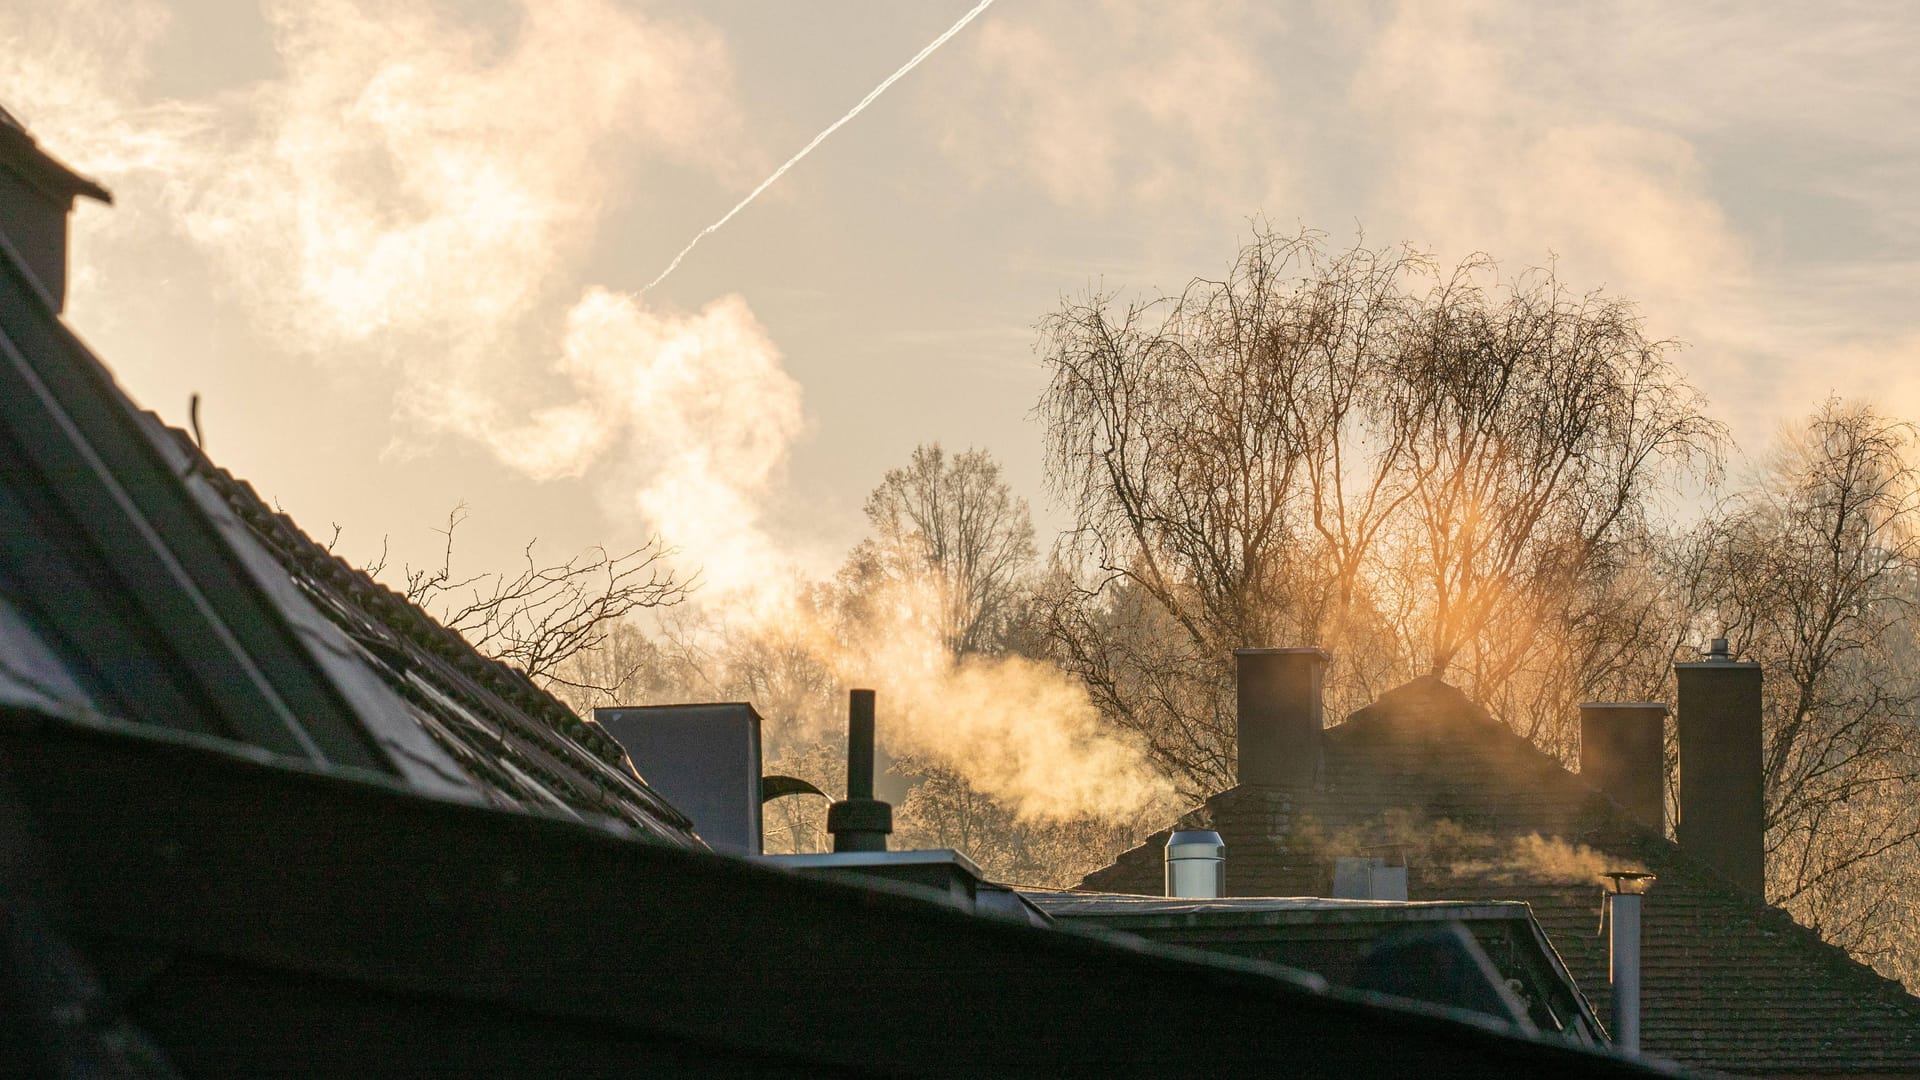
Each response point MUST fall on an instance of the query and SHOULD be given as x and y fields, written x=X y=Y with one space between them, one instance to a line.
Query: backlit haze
x=398 y=248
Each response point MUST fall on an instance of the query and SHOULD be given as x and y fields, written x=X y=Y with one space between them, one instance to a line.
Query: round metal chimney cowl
x=1196 y=865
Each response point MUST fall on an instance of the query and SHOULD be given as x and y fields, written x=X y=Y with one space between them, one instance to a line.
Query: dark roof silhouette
x=19 y=152
x=519 y=744
x=1729 y=983
x=145 y=584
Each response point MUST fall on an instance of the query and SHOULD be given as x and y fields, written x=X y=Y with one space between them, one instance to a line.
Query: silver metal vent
x=1196 y=865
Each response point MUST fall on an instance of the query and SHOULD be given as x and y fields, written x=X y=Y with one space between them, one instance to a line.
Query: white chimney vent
x=1196 y=865
x=1369 y=877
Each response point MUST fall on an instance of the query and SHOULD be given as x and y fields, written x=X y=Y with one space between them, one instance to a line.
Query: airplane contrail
x=822 y=137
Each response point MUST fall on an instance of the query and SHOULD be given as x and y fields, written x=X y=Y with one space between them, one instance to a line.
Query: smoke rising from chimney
x=408 y=193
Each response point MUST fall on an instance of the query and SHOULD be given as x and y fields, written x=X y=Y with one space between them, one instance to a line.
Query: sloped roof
x=516 y=742
x=1729 y=982
x=169 y=594
x=253 y=916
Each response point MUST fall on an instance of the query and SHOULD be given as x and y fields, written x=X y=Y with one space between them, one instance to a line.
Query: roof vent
x=1369 y=877
x=1196 y=865
x=1622 y=912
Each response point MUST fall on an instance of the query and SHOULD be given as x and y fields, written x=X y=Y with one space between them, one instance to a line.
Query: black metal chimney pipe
x=1278 y=715
x=1722 y=793
x=860 y=744
x=1623 y=752
x=860 y=822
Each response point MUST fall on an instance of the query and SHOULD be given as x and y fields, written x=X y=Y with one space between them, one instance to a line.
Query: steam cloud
x=399 y=195
x=1019 y=730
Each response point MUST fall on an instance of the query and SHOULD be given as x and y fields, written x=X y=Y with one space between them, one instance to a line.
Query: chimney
x=860 y=822
x=36 y=195
x=1722 y=801
x=1196 y=865
x=704 y=759
x=1623 y=753
x=1279 y=721
x=1623 y=954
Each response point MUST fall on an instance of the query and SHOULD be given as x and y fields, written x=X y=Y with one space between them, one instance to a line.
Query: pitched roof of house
x=1729 y=982
x=155 y=587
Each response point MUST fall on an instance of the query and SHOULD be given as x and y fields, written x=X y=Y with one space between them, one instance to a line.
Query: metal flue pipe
x=860 y=822
x=1623 y=899
x=860 y=744
x=1196 y=864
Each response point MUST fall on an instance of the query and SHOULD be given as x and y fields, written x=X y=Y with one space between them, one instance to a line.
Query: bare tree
x=952 y=525
x=1813 y=572
x=548 y=613
x=1343 y=449
x=1536 y=428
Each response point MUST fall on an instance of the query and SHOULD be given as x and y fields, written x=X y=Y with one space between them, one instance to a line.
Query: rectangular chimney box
x=36 y=195
x=1722 y=800
x=1278 y=715
x=1623 y=751
x=704 y=759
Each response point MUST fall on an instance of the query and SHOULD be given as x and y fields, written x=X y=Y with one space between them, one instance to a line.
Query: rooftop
x=1730 y=983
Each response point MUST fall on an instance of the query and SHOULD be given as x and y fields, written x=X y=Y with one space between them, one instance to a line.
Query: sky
x=399 y=248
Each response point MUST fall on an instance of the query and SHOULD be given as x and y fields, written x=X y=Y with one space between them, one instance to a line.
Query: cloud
x=1119 y=104
x=697 y=409
x=1656 y=152
x=416 y=191
x=69 y=72
x=1482 y=160
x=409 y=174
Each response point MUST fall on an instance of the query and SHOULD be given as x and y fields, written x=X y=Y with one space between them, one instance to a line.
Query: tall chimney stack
x=1279 y=721
x=1722 y=801
x=36 y=195
x=1623 y=753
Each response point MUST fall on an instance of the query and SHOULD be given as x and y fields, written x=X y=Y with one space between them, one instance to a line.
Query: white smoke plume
x=410 y=192
x=1019 y=730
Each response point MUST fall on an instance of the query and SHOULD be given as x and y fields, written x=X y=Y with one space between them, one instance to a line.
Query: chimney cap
x=1321 y=653
x=1661 y=705
x=1186 y=839
x=1628 y=882
x=1717 y=655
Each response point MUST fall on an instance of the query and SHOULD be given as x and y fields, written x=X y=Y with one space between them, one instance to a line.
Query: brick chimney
x=36 y=194
x=1278 y=714
x=1722 y=798
x=1623 y=753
